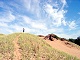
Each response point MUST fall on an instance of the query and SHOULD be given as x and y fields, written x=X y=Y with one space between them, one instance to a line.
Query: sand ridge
x=60 y=45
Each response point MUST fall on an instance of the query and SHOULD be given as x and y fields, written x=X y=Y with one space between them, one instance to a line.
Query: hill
x=24 y=46
x=62 y=44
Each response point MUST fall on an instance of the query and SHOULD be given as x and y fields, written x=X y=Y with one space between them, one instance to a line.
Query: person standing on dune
x=23 y=29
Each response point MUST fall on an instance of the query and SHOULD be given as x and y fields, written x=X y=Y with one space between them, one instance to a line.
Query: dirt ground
x=60 y=45
x=17 y=54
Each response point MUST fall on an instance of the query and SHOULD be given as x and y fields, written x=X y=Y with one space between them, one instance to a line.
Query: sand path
x=17 y=54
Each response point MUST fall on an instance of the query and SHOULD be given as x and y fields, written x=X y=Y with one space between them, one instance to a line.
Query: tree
x=72 y=40
x=77 y=41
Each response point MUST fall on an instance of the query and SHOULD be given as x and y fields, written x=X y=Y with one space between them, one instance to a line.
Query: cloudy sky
x=61 y=17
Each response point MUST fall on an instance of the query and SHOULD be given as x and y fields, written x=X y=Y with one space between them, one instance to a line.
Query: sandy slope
x=60 y=45
x=17 y=53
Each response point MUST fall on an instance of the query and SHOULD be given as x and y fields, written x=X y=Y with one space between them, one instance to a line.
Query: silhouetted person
x=23 y=29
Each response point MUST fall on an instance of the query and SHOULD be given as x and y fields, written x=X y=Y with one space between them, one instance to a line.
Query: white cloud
x=18 y=28
x=1 y=4
x=56 y=4
x=32 y=6
x=55 y=30
x=72 y=25
x=26 y=4
x=36 y=17
x=72 y=35
x=9 y=31
x=56 y=15
x=38 y=25
x=7 y=17
x=64 y=3
x=64 y=22
x=3 y=24
x=34 y=24
x=67 y=36
x=79 y=13
x=5 y=30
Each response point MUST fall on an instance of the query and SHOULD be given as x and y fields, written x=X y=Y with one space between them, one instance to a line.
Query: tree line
x=76 y=41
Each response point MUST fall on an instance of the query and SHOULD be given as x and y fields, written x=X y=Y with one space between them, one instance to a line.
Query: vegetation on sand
x=31 y=48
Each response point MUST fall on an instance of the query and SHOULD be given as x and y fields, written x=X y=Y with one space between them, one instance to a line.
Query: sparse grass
x=1 y=35
x=6 y=46
x=34 y=48
x=31 y=48
x=74 y=45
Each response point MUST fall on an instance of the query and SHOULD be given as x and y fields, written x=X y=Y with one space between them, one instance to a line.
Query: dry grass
x=6 y=46
x=31 y=48
x=74 y=45
x=34 y=48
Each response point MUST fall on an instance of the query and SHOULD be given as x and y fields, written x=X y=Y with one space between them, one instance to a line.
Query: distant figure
x=23 y=29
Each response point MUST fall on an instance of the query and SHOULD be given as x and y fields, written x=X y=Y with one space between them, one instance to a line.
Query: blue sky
x=61 y=17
